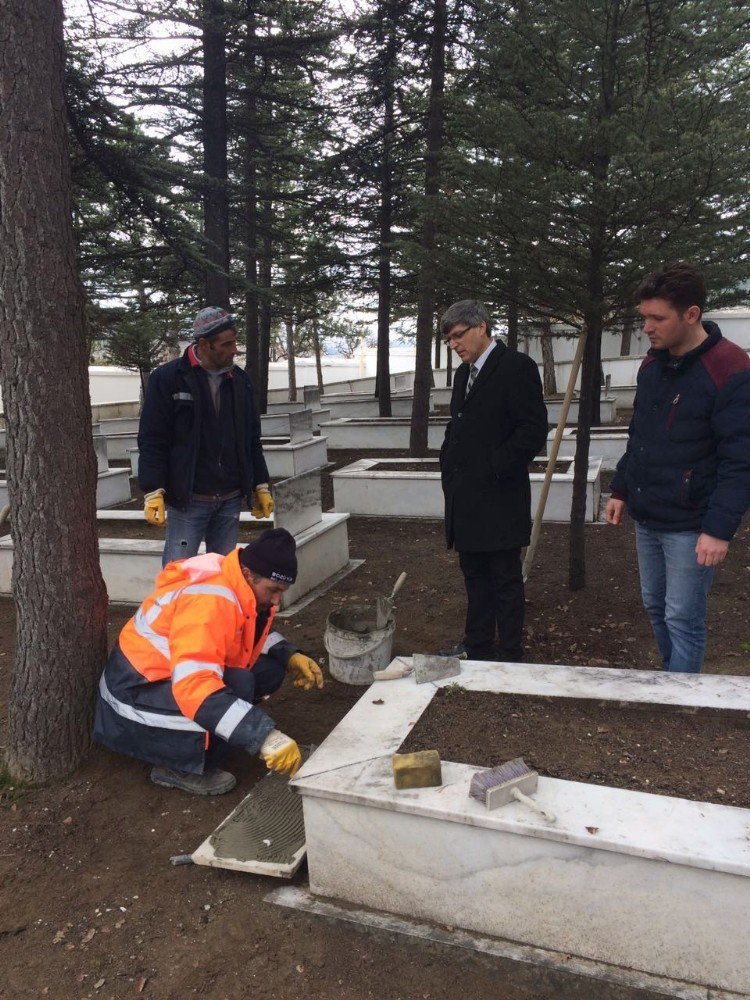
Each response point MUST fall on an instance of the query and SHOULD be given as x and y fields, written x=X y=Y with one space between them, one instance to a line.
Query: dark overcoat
x=493 y=434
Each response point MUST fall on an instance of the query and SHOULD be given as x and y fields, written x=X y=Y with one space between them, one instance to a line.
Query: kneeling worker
x=184 y=679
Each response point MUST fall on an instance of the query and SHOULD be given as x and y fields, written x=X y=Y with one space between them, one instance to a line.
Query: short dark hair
x=469 y=311
x=680 y=283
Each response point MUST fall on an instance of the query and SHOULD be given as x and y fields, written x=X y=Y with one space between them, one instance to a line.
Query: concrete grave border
x=650 y=883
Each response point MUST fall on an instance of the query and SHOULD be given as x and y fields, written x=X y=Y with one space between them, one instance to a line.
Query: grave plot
x=410 y=487
x=298 y=453
x=381 y=433
x=112 y=485
x=288 y=455
x=657 y=884
x=130 y=565
x=364 y=404
x=607 y=409
x=277 y=423
x=609 y=403
x=607 y=443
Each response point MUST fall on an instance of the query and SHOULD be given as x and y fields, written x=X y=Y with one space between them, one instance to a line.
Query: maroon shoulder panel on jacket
x=723 y=361
x=647 y=361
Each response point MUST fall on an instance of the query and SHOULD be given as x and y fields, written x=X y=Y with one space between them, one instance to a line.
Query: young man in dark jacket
x=199 y=443
x=498 y=424
x=685 y=476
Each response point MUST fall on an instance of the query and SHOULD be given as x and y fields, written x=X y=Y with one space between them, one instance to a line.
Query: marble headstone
x=311 y=396
x=298 y=502
x=300 y=426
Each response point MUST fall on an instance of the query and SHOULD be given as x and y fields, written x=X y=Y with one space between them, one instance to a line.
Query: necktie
x=473 y=372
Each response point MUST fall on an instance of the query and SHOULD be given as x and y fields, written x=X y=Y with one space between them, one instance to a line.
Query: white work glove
x=281 y=753
x=154 y=508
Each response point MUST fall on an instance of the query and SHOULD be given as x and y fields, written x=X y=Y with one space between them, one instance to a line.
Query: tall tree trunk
x=264 y=289
x=60 y=596
x=588 y=406
x=438 y=345
x=214 y=128
x=252 y=363
x=317 y=352
x=385 y=222
x=549 y=377
x=426 y=299
x=513 y=311
x=289 y=325
x=628 y=325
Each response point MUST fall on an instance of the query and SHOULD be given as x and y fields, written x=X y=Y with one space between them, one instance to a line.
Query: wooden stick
x=553 y=452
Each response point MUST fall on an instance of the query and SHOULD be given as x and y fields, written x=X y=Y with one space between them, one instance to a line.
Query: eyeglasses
x=456 y=334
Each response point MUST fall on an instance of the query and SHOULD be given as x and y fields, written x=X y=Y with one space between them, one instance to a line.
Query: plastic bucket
x=354 y=655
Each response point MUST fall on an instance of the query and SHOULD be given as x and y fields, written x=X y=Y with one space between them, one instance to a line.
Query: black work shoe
x=458 y=650
x=211 y=782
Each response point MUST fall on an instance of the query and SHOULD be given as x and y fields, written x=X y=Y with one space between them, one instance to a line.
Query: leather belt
x=215 y=496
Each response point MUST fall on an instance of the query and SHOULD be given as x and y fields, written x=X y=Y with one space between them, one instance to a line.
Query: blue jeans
x=675 y=595
x=216 y=521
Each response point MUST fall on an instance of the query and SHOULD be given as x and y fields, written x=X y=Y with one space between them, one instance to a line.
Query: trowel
x=384 y=605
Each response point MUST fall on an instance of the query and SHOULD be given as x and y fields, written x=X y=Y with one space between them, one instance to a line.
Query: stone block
x=417 y=770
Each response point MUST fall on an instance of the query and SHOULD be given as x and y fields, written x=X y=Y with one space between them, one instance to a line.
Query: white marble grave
x=130 y=565
x=381 y=433
x=607 y=410
x=353 y=404
x=120 y=445
x=365 y=489
x=277 y=424
x=607 y=443
x=119 y=425
x=647 y=882
x=112 y=487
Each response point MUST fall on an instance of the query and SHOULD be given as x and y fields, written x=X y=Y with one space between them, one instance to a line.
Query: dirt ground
x=694 y=754
x=91 y=907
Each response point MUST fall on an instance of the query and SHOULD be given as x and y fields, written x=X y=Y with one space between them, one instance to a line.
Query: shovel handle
x=398 y=585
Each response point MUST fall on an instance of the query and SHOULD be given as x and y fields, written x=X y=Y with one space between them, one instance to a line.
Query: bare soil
x=700 y=755
x=91 y=907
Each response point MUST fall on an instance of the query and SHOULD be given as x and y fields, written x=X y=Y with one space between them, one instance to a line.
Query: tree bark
x=426 y=283
x=317 y=352
x=214 y=128
x=549 y=377
x=264 y=289
x=513 y=313
x=628 y=325
x=289 y=325
x=57 y=583
x=252 y=363
x=385 y=222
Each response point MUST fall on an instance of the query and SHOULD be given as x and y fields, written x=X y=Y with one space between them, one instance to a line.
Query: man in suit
x=498 y=424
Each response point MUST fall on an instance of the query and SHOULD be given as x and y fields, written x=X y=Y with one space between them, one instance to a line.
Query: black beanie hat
x=273 y=555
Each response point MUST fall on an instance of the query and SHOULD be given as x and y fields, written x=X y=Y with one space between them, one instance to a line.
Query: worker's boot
x=211 y=782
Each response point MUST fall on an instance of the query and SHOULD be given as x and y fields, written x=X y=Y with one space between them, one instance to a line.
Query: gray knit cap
x=210 y=321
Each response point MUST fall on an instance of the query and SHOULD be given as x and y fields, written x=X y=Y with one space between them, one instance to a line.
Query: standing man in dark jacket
x=685 y=476
x=498 y=424
x=199 y=444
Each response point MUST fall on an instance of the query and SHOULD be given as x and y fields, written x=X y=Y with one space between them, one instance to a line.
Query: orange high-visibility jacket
x=162 y=691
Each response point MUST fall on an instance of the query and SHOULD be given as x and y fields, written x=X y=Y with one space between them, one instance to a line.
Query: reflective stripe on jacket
x=163 y=685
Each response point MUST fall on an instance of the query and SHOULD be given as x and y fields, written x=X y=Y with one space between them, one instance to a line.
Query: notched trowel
x=431 y=667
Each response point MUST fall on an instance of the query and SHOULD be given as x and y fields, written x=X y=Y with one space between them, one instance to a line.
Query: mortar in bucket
x=359 y=639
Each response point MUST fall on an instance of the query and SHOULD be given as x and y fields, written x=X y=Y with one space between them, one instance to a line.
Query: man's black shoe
x=463 y=652
x=458 y=650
